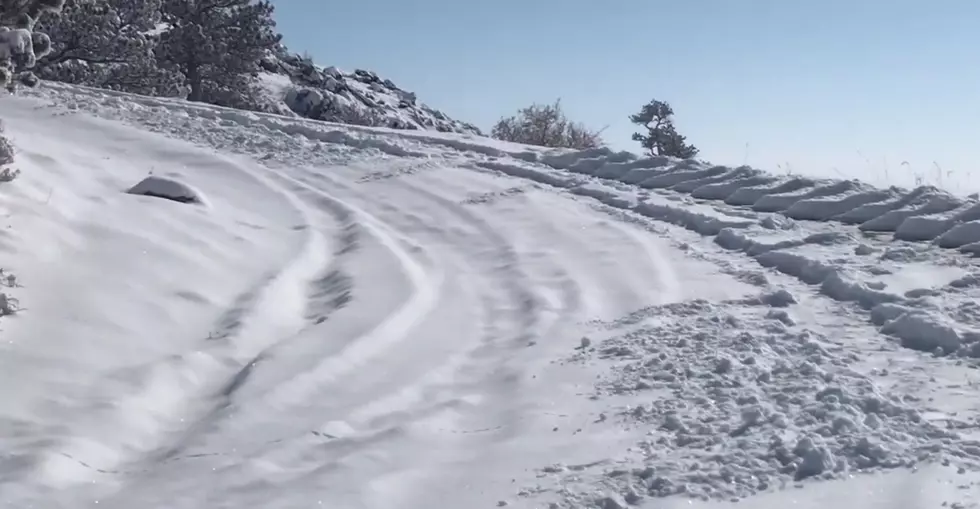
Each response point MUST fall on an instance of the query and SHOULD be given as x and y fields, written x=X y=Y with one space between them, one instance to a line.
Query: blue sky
x=855 y=87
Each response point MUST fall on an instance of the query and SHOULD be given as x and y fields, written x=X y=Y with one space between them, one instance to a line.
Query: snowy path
x=370 y=319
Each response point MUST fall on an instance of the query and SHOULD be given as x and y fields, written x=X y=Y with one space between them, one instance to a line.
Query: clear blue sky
x=818 y=84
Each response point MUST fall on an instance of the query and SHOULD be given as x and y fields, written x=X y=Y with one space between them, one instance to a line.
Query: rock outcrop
x=300 y=87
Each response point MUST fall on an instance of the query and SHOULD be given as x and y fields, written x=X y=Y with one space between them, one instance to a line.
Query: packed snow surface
x=372 y=318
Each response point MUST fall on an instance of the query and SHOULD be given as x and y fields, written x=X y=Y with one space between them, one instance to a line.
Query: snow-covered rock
x=170 y=189
x=296 y=85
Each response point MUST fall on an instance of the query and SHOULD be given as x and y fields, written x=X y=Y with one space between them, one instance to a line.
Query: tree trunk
x=194 y=82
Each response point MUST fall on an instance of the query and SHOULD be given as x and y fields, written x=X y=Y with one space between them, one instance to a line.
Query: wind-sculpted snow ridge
x=360 y=97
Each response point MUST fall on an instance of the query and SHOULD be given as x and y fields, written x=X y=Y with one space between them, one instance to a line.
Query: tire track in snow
x=327 y=288
x=255 y=324
x=425 y=280
x=576 y=254
x=865 y=359
x=498 y=371
x=567 y=246
x=486 y=367
x=236 y=320
x=531 y=326
x=382 y=410
x=247 y=123
x=667 y=278
x=519 y=301
x=329 y=366
x=270 y=310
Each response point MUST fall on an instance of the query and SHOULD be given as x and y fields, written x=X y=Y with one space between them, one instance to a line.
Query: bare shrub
x=547 y=126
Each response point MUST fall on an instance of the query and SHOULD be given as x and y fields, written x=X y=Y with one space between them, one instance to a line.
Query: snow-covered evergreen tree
x=218 y=45
x=20 y=46
x=662 y=138
x=108 y=44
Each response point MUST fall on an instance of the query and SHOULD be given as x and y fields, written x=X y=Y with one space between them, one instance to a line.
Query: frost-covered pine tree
x=218 y=46
x=20 y=46
x=107 y=44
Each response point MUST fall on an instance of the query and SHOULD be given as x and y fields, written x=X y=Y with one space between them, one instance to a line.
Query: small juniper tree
x=218 y=45
x=662 y=137
x=20 y=46
x=108 y=44
x=546 y=126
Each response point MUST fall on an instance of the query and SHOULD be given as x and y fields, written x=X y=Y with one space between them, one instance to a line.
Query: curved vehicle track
x=370 y=321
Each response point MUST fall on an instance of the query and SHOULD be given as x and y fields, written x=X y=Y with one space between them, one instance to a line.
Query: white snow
x=373 y=318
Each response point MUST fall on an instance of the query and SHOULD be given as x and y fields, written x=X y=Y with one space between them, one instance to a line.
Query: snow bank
x=751 y=195
x=723 y=189
x=776 y=202
x=699 y=218
x=825 y=208
x=919 y=330
x=921 y=214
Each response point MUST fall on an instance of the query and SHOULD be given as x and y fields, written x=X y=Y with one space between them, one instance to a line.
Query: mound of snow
x=721 y=190
x=621 y=179
x=779 y=202
x=161 y=187
x=922 y=331
x=825 y=207
x=297 y=86
x=752 y=194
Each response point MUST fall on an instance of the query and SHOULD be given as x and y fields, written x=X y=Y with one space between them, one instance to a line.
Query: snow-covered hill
x=371 y=318
x=297 y=86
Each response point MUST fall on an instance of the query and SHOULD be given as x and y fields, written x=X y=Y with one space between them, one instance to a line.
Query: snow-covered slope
x=297 y=86
x=373 y=318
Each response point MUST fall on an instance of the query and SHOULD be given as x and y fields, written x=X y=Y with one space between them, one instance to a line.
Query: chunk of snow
x=922 y=331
